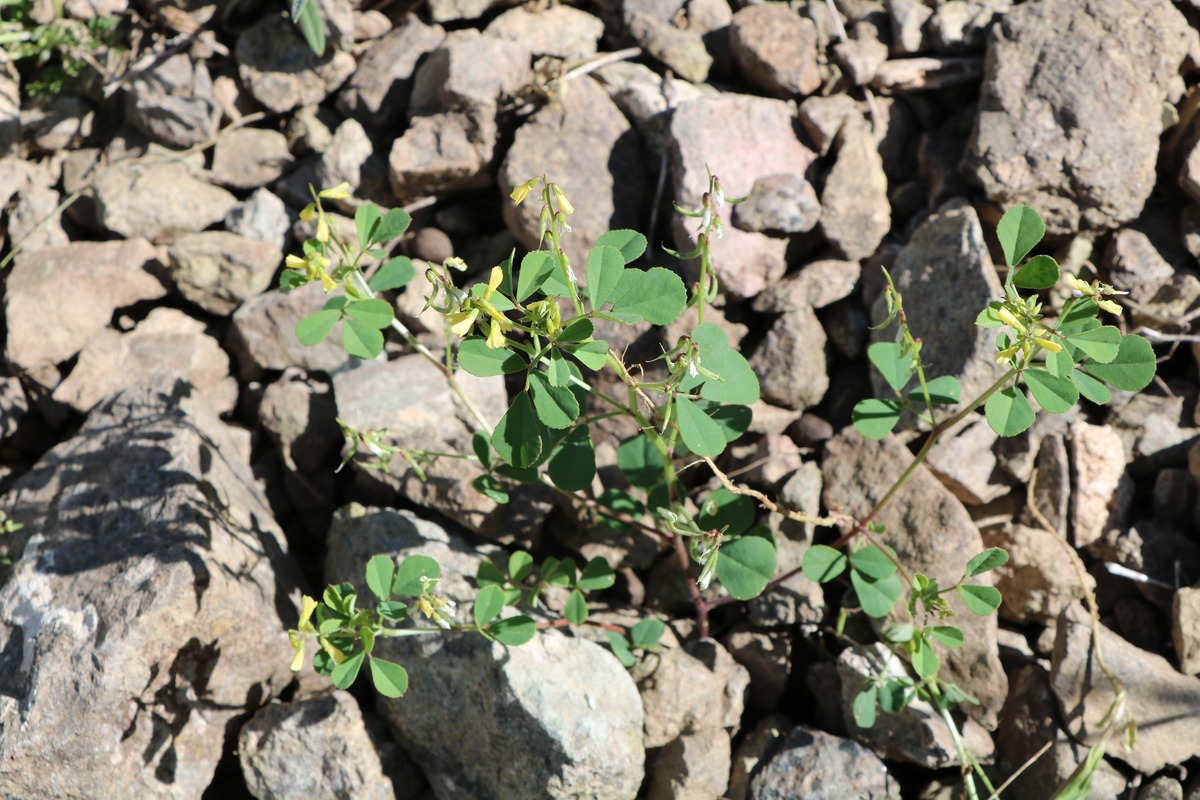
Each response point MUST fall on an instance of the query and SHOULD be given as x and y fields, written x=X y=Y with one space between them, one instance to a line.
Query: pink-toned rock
x=1103 y=491
x=776 y=49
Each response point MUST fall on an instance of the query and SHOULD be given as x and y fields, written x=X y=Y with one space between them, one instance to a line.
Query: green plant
x=58 y=53
x=307 y=17
x=533 y=322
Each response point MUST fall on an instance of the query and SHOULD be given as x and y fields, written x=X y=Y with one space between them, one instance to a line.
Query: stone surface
x=933 y=534
x=1185 y=629
x=559 y=31
x=33 y=221
x=1102 y=492
x=798 y=600
x=555 y=718
x=784 y=203
x=776 y=49
x=694 y=687
x=693 y=767
x=767 y=656
x=248 y=158
x=668 y=31
x=824 y=117
x=378 y=92
x=10 y=105
x=58 y=298
x=758 y=745
x=262 y=336
x=218 y=270
x=324 y=734
x=13 y=405
x=470 y=73
x=157 y=199
x=1040 y=578
x=158 y=590
x=281 y=71
x=60 y=122
x=817 y=284
x=173 y=103
x=965 y=464
x=790 y=362
x=812 y=764
x=1042 y=108
x=855 y=213
x=262 y=215
x=440 y=153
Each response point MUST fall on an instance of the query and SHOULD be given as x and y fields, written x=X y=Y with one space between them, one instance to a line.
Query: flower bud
x=1008 y=318
x=339 y=192
x=1109 y=306
x=1048 y=344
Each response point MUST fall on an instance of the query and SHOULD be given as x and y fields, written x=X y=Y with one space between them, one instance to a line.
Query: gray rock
x=345 y=159
x=694 y=687
x=91 y=9
x=1153 y=547
x=946 y=276
x=586 y=146
x=1185 y=629
x=377 y=94
x=1174 y=495
x=281 y=71
x=965 y=464
x=10 y=105
x=756 y=748
x=646 y=98
x=784 y=203
x=1153 y=431
x=262 y=215
x=147 y=611
x=247 y=158
x=558 y=31
x=1040 y=578
x=51 y=124
x=173 y=103
x=455 y=10
x=218 y=270
x=933 y=534
x=817 y=284
x=442 y=153
x=767 y=656
x=1159 y=698
x=861 y=57
x=693 y=767
x=798 y=600
x=263 y=337
x=1134 y=264
x=824 y=117
x=58 y=298
x=790 y=362
x=1050 y=494
x=35 y=207
x=327 y=735
x=13 y=405
x=556 y=717
x=1102 y=492
x=1162 y=788
x=812 y=764
x=1042 y=107
x=959 y=26
x=470 y=73
x=855 y=212
x=157 y=199
x=165 y=349
x=776 y=49
x=664 y=30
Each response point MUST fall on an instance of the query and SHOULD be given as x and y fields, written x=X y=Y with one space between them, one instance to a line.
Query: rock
x=166 y=349
x=783 y=203
x=1040 y=578
x=157 y=199
x=1159 y=698
x=1051 y=492
x=767 y=656
x=933 y=534
x=916 y=735
x=146 y=613
x=696 y=687
x=263 y=337
x=762 y=143
x=586 y=146
x=1154 y=548
x=756 y=747
x=262 y=215
x=1153 y=432
x=469 y=73
x=247 y=158
x=965 y=464
x=817 y=284
x=855 y=214
x=441 y=153
x=281 y=71
x=218 y=270
x=327 y=734
x=1042 y=107
x=664 y=30
x=1174 y=495
x=959 y=26
x=51 y=124
x=1134 y=264
x=173 y=103
x=557 y=31
x=790 y=362
x=378 y=92
x=58 y=298
x=1163 y=788
x=946 y=276
x=1102 y=493
x=562 y=716
x=1185 y=630
x=36 y=206
x=693 y=767
x=13 y=405
x=812 y=764
x=10 y=105
x=345 y=159
x=454 y=10
x=861 y=57
x=91 y=9
x=824 y=117
x=798 y=600
x=646 y=98
x=776 y=49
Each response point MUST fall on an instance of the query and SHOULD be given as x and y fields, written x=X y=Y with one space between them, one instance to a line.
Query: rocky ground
x=169 y=447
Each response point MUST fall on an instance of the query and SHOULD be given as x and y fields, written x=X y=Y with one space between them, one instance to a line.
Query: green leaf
x=872 y=562
x=876 y=597
x=393 y=610
x=1090 y=388
x=392 y=274
x=895 y=694
x=577 y=330
x=722 y=508
x=738 y=383
x=365 y=219
x=1102 y=343
x=822 y=563
x=701 y=435
x=1008 y=412
x=987 y=318
x=631 y=244
x=604 y=268
x=345 y=673
x=1041 y=272
x=361 y=340
x=656 y=295
x=981 y=600
x=513 y=631
x=621 y=503
x=394 y=223
x=375 y=313
x=482 y=446
x=948 y=635
x=314 y=328
x=596 y=575
x=312 y=27
x=1018 y=231
x=488 y=603
x=1133 y=367
x=897 y=632
x=489 y=486
x=986 y=561
x=733 y=420
x=559 y=371
x=620 y=648
x=646 y=633
x=412 y=569
x=925 y=662
x=391 y=680
x=1077 y=310
x=556 y=407
x=482 y=361
x=573 y=465
x=944 y=390
x=520 y=566
x=593 y=355
x=745 y=566
x=1056 y=395
x=864 y=707
x=895 y=367
x=874 y=418
x=518 y=437
x=1060 y=363
x=536 y=267
x=576 y=610
x=380 y=571
x=640 y=461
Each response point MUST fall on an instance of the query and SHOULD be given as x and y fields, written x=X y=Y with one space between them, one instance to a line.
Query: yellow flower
x=1109 y=306
x=563 y=202
x=1076 y=284
x=295 y=262
x=328 y=283
x=495 y=339
x=1007 y=353
x=339 y=192
x=521 y=192
x=461 y=321
x=308 y=213
x=1010 y=319
x=307 y=606
x=322 y=228
x=1048 y=344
